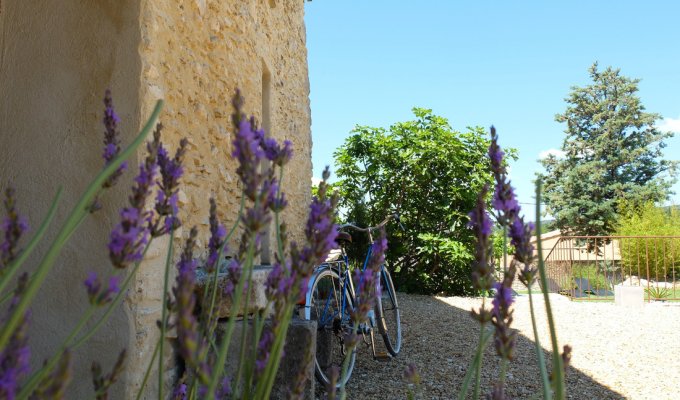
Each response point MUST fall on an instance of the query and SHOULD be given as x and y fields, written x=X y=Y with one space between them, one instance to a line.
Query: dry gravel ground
x=617 y=352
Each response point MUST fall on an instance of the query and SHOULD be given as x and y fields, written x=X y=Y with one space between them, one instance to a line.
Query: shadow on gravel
x=440 y=339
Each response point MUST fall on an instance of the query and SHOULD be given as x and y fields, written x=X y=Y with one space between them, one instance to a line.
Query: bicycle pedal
x=382 y=356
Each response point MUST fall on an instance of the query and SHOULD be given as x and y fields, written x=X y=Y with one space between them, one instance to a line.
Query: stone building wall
x=56 y=59
x=194 y=54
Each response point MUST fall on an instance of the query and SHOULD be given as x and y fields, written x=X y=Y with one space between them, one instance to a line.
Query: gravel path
x=617 y=352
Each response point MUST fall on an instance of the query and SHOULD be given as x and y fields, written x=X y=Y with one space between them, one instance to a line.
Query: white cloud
x=669 y=124
x=316 y=181
x=551 y=152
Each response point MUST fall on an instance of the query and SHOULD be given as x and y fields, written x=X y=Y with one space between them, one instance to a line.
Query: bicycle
x=330 y=300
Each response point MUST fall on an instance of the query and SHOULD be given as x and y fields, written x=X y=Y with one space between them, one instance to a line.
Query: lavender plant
x=506 y=211
x=48 y=381
x=261 y=161
x=261 y=164
x=366 y=295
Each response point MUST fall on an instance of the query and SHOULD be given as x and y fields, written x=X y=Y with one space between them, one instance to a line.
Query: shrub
x=662 y=255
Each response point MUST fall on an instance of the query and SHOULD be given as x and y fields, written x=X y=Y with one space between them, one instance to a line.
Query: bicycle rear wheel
x=324 y=305
x=387 y=313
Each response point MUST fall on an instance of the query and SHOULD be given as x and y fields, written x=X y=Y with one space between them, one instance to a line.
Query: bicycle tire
x=387 y=313
x=323 y=305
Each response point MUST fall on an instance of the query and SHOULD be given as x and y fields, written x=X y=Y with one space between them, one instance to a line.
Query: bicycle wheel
x=324 y=305
x=387 y=313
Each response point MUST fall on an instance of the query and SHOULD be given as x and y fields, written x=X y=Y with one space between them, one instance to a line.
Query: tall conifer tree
x=612 y=152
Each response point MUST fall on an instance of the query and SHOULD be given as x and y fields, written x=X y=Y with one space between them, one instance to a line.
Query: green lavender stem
x=69 y=226
x=558 y=367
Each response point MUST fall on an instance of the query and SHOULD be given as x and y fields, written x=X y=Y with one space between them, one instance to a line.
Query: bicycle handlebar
x=372 y=228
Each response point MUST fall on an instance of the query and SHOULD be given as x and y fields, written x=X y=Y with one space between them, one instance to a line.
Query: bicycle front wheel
x=387 y=312
x=325 y=306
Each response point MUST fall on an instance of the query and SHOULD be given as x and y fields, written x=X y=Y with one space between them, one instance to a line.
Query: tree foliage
x=612 y=153
x=659 y=256
x=431 y=175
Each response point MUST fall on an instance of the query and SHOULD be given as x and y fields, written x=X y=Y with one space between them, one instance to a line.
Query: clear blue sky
x=503 y=63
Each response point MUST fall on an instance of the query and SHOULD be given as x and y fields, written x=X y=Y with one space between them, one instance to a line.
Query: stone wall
x=56 y=59
x=194 y=54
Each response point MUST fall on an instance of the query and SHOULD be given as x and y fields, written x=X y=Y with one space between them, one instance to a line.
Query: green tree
x=612 y=153
x=659 y=256
x=431 y=175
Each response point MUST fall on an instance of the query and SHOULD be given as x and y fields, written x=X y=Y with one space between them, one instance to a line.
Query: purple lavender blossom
x=263 y=350
x=15 y=357
x=224 y=391
x=111 y=139
x=480 y=223
x=367 y=288
x=130 y=236
x=234 y=270
x=217 y=235
x=411 y=374
x=279 y=281
x=192 y=347
x=504 y=199
x=498 y=392
x=495 y=153
x=276 y=153
x=320 y=229
x=279 y=203
x=508 y=209
x=320 y=233
x=98 y=295
x=180 y=392
x=248 y=152
x=520 y=235
x=13 y=226
x=171 y=170
x=502 y=299
x=501 y=319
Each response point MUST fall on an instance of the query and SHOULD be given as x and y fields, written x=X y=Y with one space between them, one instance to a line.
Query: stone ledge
x=256 y=291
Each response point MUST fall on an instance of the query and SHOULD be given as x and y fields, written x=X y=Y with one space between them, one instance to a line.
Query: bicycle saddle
x=343 y=238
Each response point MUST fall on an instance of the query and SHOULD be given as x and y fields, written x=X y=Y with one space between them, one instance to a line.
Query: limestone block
x=256 y=291
x=629 y=296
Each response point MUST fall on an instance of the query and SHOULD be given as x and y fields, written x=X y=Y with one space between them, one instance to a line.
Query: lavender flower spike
x=501 y=319
x=98 y=295
x=217 y=235
x=15 y=357
x=480 y=223
x=111 y=139
x=367 y=279
x=130 y=236
x=192 y=347
x=14 y=226
x=247 y=149
x=171 y=171
x=504 y=199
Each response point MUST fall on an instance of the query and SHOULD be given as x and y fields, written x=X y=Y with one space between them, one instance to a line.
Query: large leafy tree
x=431 y=175
x=612 y=153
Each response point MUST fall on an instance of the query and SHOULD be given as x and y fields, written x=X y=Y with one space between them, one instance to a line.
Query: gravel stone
x=618 y=353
